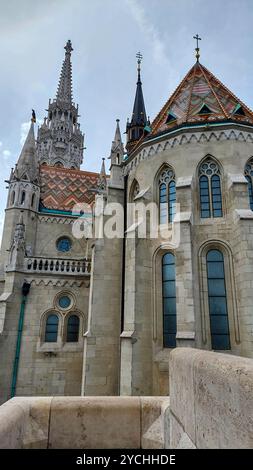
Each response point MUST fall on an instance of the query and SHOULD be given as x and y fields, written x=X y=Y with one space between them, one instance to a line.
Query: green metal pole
x=18 y=343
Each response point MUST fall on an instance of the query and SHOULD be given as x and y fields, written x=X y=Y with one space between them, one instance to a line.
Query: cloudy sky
x=106 y=34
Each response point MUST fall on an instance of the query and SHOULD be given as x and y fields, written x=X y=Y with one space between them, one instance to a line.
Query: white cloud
x=25 y=126
x=6 y=154
x=147 y=28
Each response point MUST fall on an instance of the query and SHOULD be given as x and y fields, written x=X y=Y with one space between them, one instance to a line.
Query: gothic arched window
x=51 y=330
x=73 y=329
x=167 y=196
x=22 y=200
x=249 y=176
x=13 y=197
x=217 y=297
x=135 y=189
x=169 y=301
x=210 y=189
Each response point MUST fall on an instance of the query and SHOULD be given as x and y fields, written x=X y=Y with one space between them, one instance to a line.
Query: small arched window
x=13 y=197
x=22 y=200
x=167 y=196
x=51 y=330
x=210 y=189
x=73 y=329
x=58 y=164
x=249 y=176
x=169 y=301
x=217 y=297
x=33 y=200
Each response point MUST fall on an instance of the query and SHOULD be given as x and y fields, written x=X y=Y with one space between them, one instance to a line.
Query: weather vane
x=197 y=48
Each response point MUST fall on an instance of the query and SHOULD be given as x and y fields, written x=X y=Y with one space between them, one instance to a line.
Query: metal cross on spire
x=197 y=48
x=139 y=58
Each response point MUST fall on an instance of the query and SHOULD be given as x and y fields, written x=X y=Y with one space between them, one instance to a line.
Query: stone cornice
x=151 y=148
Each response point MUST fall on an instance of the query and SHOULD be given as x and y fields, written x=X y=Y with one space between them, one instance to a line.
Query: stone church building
x=98 y=315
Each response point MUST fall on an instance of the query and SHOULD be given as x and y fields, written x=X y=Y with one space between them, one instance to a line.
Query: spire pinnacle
x=197 y=48
x=64 y=91
x=139 y=58
x=27 y=163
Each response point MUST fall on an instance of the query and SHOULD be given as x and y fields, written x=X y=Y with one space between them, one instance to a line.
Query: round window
x=63 y=244
x=64 y=301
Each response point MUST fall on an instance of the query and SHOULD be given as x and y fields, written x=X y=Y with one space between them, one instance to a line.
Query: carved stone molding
x=185 y=139
x=58 y=283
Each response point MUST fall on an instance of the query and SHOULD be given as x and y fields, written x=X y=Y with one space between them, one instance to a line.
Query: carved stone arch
x=207 y=157
x=225 y=249
x=43 y=320
x=134 y=190
x=163 y=168
x=208 y=167
x=83 y=322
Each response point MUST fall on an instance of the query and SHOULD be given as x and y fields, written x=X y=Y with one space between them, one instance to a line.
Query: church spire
x=135 y=128
x=117 y=150
x=27 y=165
x=60 y=140
x=102 y=180
x=64 y=91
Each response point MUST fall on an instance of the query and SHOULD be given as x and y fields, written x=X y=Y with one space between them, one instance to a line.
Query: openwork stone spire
x=64 y=91
x=60 y=140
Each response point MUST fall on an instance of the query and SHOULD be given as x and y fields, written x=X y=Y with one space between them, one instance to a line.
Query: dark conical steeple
x=135 y=128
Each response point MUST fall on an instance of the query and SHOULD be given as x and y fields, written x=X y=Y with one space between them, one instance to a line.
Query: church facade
x=100 y=315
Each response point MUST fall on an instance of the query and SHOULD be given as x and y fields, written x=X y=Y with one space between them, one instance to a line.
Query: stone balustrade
x=58 y=266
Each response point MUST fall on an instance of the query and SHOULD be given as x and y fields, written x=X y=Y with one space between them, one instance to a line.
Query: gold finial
x=197 y=48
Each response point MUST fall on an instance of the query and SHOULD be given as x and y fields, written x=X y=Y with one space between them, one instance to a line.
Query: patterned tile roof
x=62 y=188
x=199 y=98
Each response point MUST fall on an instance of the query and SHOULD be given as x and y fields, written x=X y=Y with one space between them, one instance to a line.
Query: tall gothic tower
x=60 y=140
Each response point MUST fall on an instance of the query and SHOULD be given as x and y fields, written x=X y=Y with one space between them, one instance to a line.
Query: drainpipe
x=25 y=292
x=124 y=256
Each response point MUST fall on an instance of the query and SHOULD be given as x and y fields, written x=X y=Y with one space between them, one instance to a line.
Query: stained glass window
x=64 y=301
x=73 y=329
x=169 y=301
x=167 y=196
x=210 y=190
x=249 y=176
x=51 y=330
x=64 y=244
x=217 y=296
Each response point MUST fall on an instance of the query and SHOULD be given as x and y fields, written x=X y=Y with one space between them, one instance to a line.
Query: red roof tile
x=62 y=188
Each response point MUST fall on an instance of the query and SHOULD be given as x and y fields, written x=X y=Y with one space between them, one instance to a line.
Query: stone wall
x=83 y=423
x=211 y=401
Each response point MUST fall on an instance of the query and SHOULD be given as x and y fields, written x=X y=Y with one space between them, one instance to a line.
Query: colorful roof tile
x=62 y=188
x=200 y=98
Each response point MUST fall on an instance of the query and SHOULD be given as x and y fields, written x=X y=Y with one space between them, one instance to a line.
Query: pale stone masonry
x=100 y=316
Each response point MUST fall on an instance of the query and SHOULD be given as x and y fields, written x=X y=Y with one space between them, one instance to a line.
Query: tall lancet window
x=249 y=176
x=210 y=189
x=217 y=297
x=169 y=301
x=167 y=196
